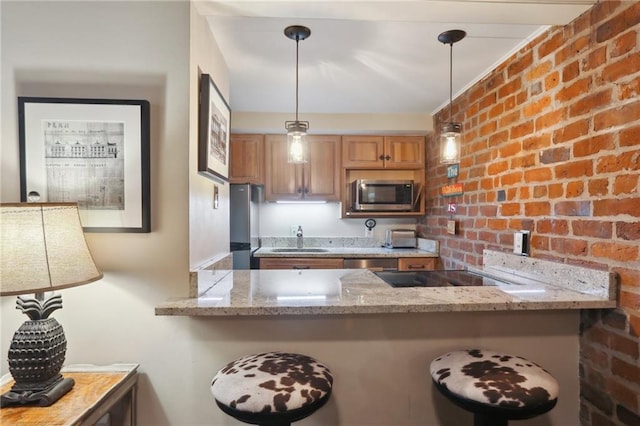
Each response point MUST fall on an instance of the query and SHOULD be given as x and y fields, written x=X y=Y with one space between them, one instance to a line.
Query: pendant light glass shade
x=450 y=136
x=297 y=130
x=297 y=141
x=450 y=132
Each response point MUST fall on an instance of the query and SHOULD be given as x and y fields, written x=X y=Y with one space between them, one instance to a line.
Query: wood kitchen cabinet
x=383 y=152
x=246 y=159
x=316 y=180
x=417 y=263
x=301 y=263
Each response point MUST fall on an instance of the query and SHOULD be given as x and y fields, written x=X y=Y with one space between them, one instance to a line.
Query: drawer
x=416 y=263
x=301 y=263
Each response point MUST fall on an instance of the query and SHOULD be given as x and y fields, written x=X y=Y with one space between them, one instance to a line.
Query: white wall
x=208 y=227
x=136 y=50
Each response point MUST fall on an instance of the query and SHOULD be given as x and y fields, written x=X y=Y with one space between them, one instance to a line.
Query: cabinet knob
x=387 y=157
x=381 y=157
x=299 y=191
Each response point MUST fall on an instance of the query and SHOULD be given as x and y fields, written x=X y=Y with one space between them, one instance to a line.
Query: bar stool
x=495 y=387
x=272 y=388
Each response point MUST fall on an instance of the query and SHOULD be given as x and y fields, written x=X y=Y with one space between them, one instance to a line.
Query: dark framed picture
x=213 y=136
x=91 y=151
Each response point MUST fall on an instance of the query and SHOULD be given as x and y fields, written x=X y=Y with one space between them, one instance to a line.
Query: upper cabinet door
x=246 y=154
x=322 y=172
x=283 y=181
x=383 y=152
x=404 y=152
x=363 y=152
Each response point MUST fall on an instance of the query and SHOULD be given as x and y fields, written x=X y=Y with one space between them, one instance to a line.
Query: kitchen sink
x=299 y=250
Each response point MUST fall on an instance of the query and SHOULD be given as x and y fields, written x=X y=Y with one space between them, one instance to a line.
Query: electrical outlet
x=521 y=243
x=293 y=230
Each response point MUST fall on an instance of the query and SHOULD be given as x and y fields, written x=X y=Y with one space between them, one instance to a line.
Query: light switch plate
x=451 y=227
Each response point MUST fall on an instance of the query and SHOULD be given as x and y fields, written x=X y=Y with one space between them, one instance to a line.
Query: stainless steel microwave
x=382 y=195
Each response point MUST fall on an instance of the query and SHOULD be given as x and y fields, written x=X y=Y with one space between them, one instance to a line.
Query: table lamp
x=42 y=249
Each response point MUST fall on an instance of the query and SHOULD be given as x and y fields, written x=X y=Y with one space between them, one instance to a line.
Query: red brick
x=538 y=70
x=620 y=115
x=497 y=224
x=624 y=44
x=593 y=145
x=571 y=131
x=574 y=169
x=625 y=184
x=551 y=45
x=553 y=226
x=591 y=102
x=615 y=251
x=541 y=174
x=551 y=80
x=496 y=110
x=622 y=68
x=556 y=190
x=572 y=208
x=624 y=346
x=630 y=137
x=574 y=189
x=498 y=137
x=629 y=300
x=595 y=356
x=595 y=59
x=622 y=393
x=538 y=208
x=554 y=155
x=511 y=178
x=523 y=161
x=488 y=128
x=509 y=209
x=627 y=161
x=509 y=119
x=629 y=90
x=549 y=119
x=625 y=370
x=571 y=71
x=536 y=108
x=521 y=130
x=509 y=88
x=494 y=81
x=540 y=191
x=574 y=90
x=520 y=64
x=570 y=247
x=592 y=228
x=510 y=149
x=628 y=231
x=616 y=207
x=618 y=23
x=573 y=49
x=497 y=167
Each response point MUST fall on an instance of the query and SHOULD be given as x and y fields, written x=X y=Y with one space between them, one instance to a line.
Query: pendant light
x=297 y=130
x=450 y=132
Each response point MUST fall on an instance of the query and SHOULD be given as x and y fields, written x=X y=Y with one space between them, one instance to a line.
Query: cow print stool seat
x=272 y=388
x=496 y=387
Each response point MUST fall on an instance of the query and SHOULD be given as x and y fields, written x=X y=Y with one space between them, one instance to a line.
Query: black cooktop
x=443 y=278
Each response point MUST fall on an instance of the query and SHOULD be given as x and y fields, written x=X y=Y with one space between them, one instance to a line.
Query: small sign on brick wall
x=451 y=190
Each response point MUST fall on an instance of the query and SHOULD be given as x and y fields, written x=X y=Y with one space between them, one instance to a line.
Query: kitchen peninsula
x=376 y=337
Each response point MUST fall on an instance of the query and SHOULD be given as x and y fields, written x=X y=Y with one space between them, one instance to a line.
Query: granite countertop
x=360 y=291
x=344 y=252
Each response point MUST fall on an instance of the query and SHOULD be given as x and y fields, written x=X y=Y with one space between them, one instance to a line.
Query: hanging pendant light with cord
x=297 y=130
x=450 y=132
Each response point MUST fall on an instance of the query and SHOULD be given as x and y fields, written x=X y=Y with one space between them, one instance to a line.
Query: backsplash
x=349 y=242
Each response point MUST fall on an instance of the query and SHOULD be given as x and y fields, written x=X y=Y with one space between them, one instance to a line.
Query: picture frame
x=213 y=132
x=91 y=151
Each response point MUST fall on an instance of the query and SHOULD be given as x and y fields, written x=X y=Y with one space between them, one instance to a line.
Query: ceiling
x=369 y=56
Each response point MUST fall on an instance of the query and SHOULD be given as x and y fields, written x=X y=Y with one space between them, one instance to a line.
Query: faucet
x=299 y=236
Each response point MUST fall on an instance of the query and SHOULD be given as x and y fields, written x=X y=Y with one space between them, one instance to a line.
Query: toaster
x=400 y=238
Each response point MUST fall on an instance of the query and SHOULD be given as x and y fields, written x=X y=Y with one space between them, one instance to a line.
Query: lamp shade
x=43 y=248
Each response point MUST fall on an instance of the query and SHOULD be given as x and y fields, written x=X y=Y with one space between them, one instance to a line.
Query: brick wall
x=557 y=127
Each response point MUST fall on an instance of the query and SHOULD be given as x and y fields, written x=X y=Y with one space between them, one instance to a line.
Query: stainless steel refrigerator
x=244 y=202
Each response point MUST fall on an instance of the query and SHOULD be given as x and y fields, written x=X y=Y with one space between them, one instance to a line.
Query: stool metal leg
x=485 y=420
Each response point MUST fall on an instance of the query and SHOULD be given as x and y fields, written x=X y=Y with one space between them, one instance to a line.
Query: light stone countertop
x=360 y=291
x=345 y=252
